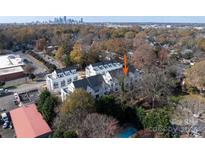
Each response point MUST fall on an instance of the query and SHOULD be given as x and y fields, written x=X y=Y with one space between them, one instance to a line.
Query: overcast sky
x=175 y=19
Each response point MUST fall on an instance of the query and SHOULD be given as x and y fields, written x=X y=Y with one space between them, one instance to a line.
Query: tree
x=130 y=35
x=188 y=112
x=71 y=121
x=48 y=109
x=31 y=76
x=57 y=134
x=64 y=134
x=155 y=86
x=98 y=126
x=77 y=55
x=67 y=60
x=156 y=120
x=45 y=105
x=40 y=44
x=195 y=76
x=201 y=44
x=110 y=106
x=59 y=53
x=78 y=99
x=2 y=83
x=44 y=94
x=143 y=54
x=70 y=134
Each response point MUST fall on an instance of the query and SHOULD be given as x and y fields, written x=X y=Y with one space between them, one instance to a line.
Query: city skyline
x=153 y=19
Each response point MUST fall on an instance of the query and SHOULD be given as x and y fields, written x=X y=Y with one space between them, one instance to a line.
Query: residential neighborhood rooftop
x=28 y=122
x=8 y=61
x=93 y=82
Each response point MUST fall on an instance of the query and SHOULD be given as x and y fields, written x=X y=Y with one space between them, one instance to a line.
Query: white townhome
x=102 y=68
x=61 y=78
x=115 y=78
x=95 y=85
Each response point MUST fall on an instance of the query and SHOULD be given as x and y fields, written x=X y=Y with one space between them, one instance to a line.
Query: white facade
x=101 y=68
x=61 y=79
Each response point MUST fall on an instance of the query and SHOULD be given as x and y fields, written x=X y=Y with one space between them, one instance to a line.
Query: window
x=63 y=83
x=67 y=73
x=60 y=75
x=55 y=85
x=69 y=81
x=75 y=78
x=101 y=67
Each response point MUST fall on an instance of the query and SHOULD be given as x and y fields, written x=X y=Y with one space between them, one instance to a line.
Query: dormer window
x=95 y=69
x=105 y=66
x=115 y=64
x=67 y=73
x=73 y=71
x=101 y=67
x=60 y=75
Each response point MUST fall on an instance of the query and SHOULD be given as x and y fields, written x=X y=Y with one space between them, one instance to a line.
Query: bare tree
x=98 y=125
x=154 y=85
x=188 y=113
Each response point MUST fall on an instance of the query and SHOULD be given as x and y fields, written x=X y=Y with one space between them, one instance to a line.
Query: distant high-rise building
x=81 y=20
x=65 y=20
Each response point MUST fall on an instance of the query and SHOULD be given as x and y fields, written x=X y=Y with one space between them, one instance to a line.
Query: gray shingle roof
x=103 y=63
x=94 y=82
x=62 y=70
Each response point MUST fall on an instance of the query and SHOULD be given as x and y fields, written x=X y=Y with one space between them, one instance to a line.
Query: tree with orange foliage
x=40 y=44
x=143 y=54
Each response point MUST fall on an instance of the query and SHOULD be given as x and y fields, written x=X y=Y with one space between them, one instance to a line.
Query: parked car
x=6 y=124
x=4 y=116
x=3 y=91
x=2 y=110
x=16 y=96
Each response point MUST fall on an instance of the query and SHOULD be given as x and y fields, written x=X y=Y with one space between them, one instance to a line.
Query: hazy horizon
x=125 y=19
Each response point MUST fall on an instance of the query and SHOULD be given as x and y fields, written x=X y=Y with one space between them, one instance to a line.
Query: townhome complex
x=102 y=68
x=60 y=78
x=103 y=83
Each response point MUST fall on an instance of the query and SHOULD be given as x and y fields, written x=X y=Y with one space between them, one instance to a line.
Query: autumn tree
x=40 y=44
x=143 y=54
x=201 y=44
x=195 y=76
x=77 y=55
x=78 y=99
x=59 y=53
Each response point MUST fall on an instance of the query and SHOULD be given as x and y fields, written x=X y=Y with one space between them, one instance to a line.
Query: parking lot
x=6 y=127
x=7 y=133
x=7 y=103
x=29 y=96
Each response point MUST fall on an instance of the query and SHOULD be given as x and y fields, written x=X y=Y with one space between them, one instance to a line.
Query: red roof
x=28 y=122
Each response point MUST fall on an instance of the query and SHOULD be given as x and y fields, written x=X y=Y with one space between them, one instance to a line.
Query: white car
x=6 y=124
